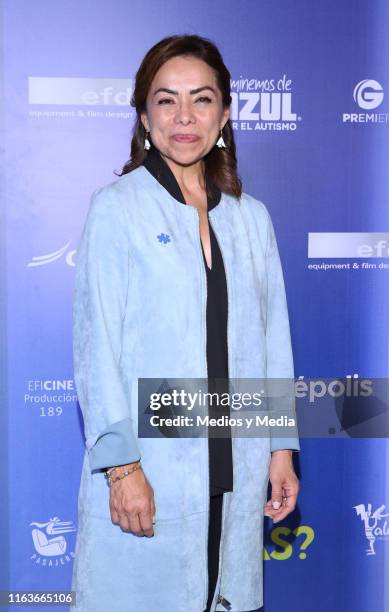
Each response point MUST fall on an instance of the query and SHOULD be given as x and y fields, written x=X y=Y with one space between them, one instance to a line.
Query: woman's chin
x=185 y=155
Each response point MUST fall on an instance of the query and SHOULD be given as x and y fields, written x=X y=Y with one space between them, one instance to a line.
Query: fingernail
x=276 y=505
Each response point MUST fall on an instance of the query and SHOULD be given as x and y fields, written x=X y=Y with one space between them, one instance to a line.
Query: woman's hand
x=132 y=502
x=284 y=485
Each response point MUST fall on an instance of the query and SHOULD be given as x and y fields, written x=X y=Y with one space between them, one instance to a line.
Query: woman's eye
x=204 y=98
x=163 y=100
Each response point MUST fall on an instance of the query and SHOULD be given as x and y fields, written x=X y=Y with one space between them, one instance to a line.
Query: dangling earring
x=147 y=144
x=220 y=143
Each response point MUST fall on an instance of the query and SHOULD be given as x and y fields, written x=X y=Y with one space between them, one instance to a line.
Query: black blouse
x=220 y=448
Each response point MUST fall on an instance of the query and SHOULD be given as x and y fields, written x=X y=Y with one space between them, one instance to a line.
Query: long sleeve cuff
x=284 y=443
x=116 y=445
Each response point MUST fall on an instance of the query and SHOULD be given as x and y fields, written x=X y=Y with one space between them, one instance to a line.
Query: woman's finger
x=146 y=523
x=134 y=523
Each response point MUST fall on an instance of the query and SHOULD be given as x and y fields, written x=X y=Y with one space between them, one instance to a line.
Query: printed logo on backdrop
x=289 y=543
x=50 y=396
x=44 y=260
x=368 y=95
x=374 y=523
x=355 y=246
x=86 y=93
x=51 y=542
x=263 y=105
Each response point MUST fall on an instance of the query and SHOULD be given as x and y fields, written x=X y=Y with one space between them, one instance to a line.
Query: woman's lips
x=185 y=137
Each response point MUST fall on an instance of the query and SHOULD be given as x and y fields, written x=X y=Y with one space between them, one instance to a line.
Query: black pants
x=214 y=532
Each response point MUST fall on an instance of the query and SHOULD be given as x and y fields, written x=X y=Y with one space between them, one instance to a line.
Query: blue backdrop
x=311 y=114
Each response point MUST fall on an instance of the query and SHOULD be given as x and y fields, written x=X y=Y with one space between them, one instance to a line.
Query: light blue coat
x=140 y=311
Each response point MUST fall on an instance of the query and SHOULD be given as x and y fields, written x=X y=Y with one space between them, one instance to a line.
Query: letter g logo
x=368 y=94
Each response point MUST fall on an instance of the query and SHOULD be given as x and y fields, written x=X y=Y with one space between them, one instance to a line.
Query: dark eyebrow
x=192 y=91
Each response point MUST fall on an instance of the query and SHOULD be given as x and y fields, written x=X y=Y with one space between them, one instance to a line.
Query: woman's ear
x=145 y=123
x=226 y=116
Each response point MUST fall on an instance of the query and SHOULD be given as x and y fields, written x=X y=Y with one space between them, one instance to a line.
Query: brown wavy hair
x=220 y=163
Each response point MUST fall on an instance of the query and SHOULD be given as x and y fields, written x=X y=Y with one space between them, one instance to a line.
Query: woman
x=178 y=275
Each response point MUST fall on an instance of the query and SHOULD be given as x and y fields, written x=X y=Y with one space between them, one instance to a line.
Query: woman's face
x=184 y=110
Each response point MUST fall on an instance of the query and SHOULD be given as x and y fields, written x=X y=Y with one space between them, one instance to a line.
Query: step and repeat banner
x=310 y=89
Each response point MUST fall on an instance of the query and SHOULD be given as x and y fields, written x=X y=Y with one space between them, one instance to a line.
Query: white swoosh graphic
x=41 y=260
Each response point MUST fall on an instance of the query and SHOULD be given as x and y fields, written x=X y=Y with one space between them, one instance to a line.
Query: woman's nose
x=184 y=113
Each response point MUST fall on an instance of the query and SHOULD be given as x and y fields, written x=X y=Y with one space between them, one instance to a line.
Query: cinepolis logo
x=44 y=260
x=50 y=544
x=375 y=527
x=368 y=95
x=262 y=105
